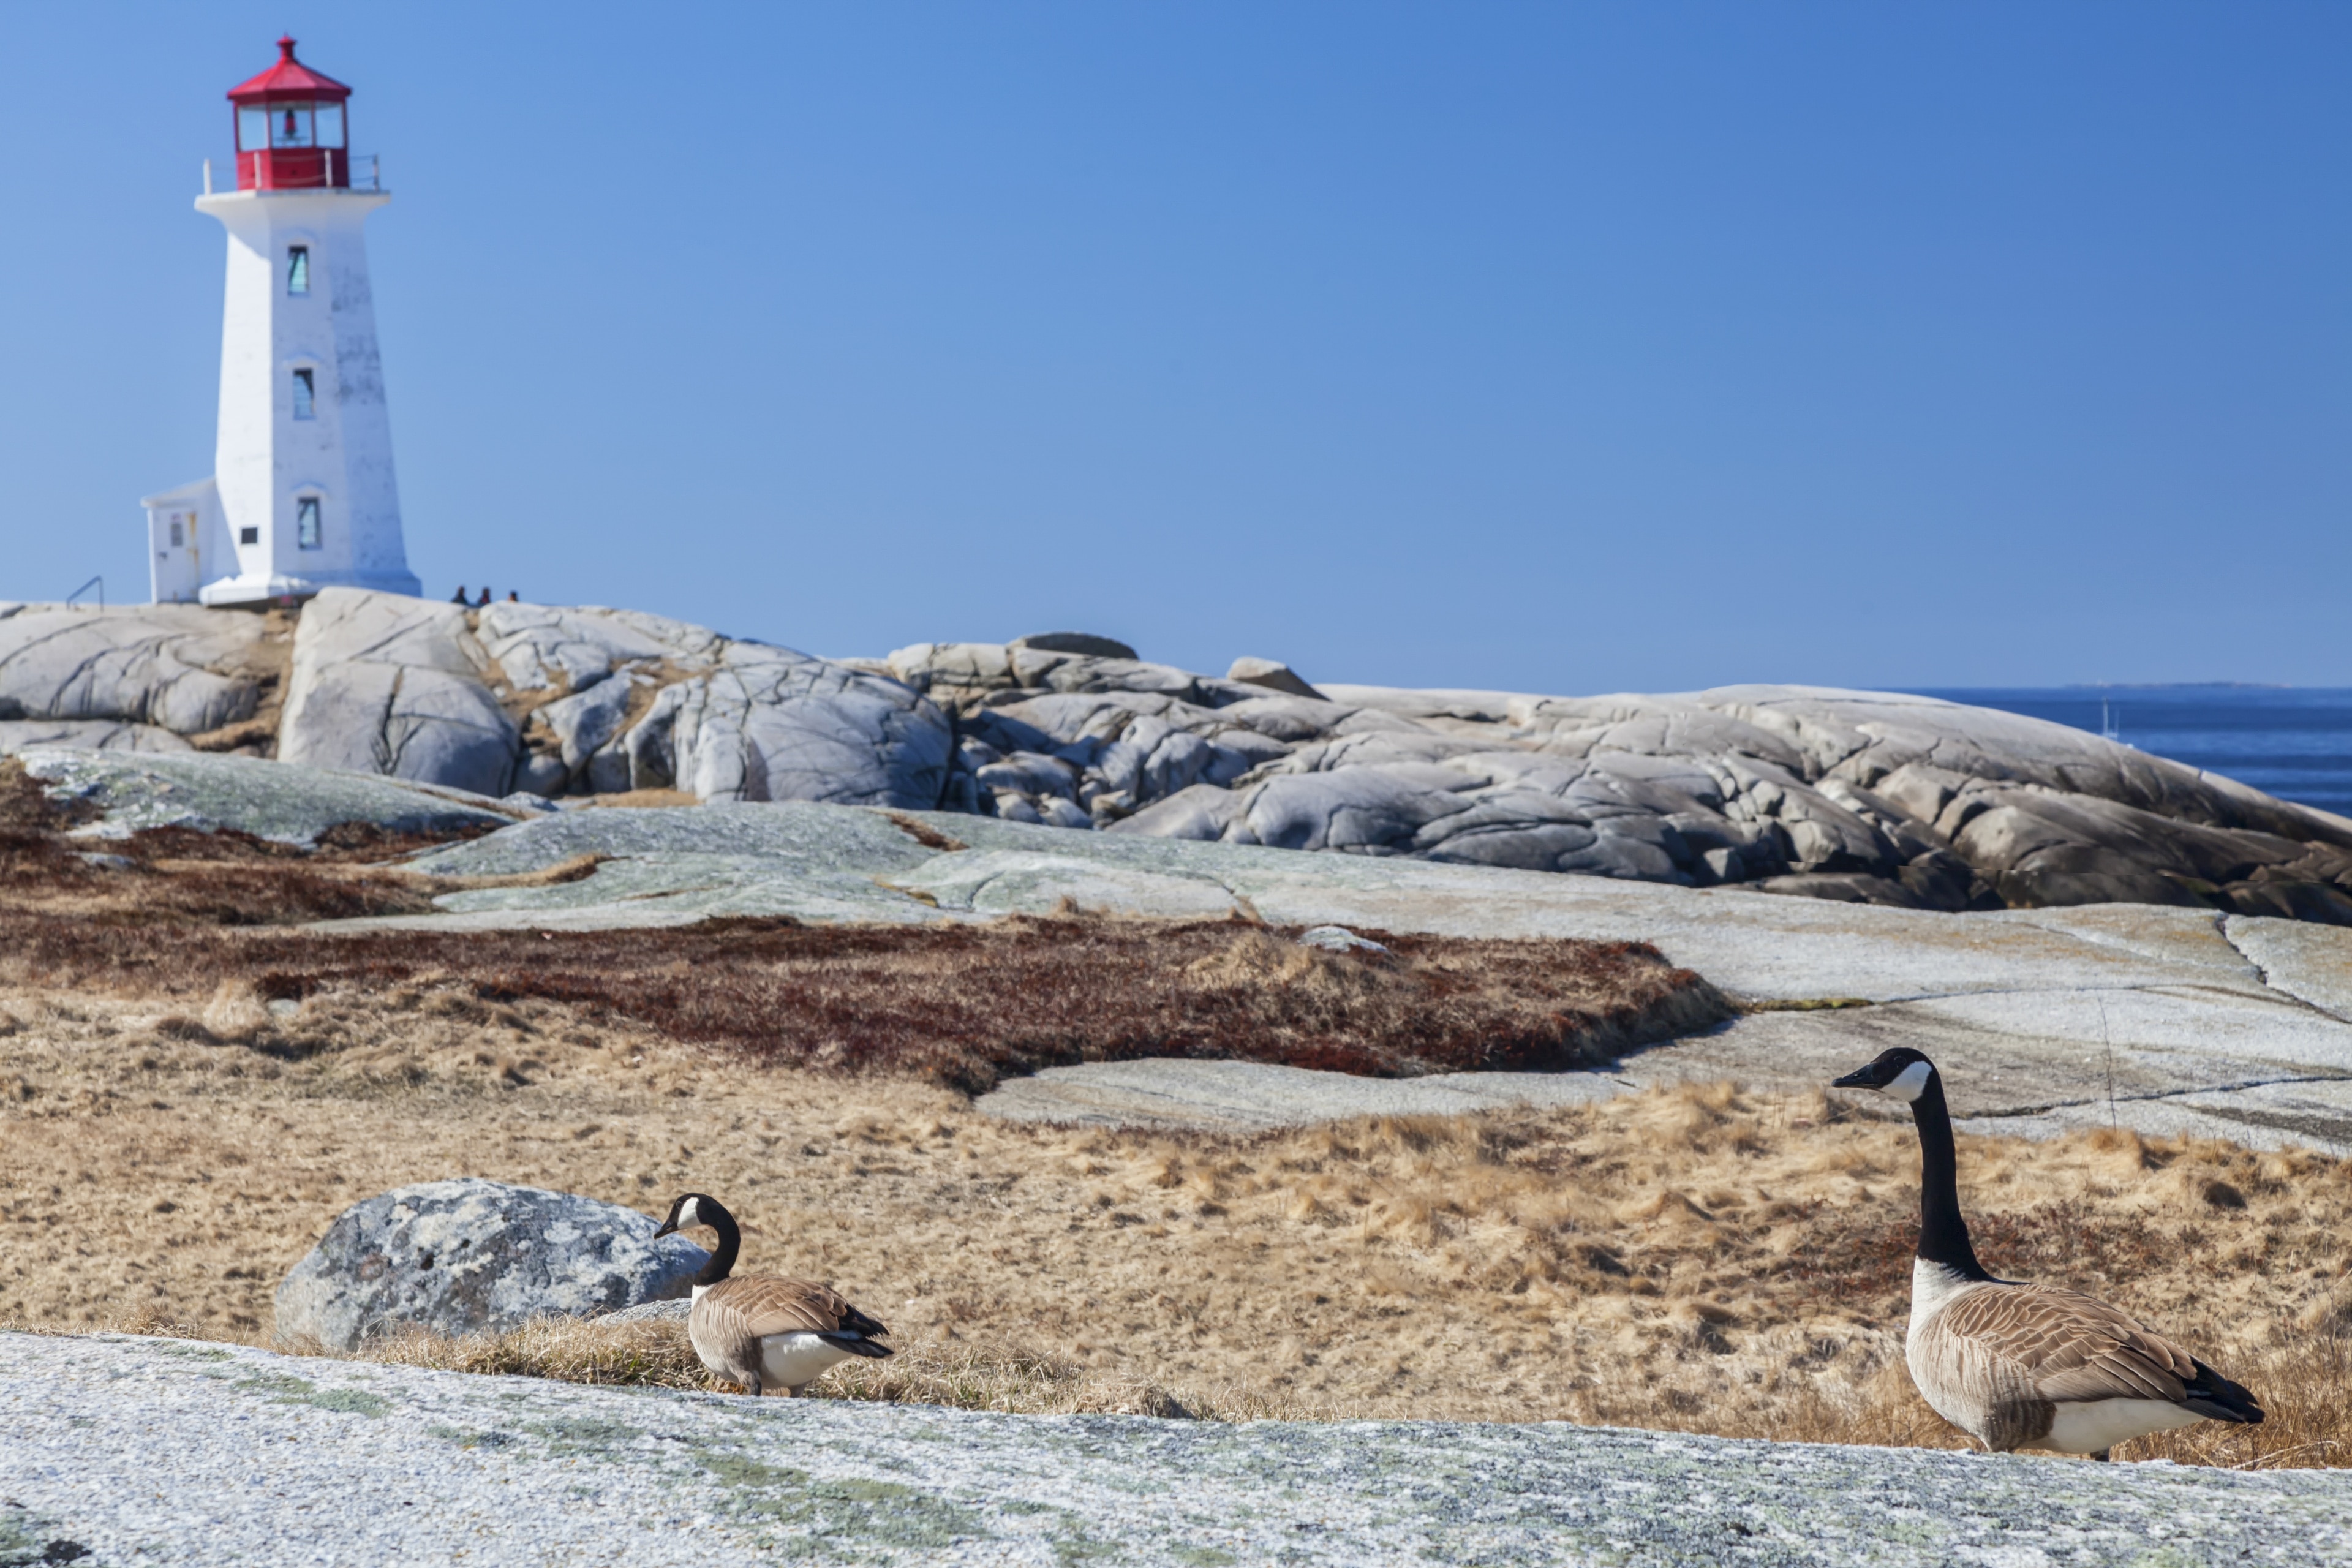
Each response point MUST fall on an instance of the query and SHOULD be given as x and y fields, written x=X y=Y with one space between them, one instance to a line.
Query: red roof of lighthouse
x=289 y=78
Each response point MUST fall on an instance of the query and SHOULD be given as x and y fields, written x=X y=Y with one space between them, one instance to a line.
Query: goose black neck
x=730 y=1242
x=1943 y=1234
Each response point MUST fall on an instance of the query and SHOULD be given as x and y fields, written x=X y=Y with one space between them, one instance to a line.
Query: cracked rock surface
x=174 y=1452
x=387 y=684
x=588 y=701
x=177 y=668
x=1852 y=796
x=1860 y=797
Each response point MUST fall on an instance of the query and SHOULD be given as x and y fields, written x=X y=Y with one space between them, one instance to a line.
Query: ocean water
x=2294 y=742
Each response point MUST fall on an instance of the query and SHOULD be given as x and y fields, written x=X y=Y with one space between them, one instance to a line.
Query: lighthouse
x=302 y=495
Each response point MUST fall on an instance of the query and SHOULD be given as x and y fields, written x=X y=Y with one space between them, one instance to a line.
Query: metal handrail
x=99 y=582
x=373 y=181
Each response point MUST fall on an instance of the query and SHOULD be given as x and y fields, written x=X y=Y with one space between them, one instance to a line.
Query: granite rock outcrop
x=387 y=684
x=560 y=701
x=1854 y=795
x=134 y=670
x=1865 y=796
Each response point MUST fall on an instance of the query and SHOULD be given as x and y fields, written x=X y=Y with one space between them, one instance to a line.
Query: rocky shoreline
x=1853 y=796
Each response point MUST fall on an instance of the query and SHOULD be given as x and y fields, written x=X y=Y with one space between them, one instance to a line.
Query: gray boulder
x=176 y=666
x=472 y=1256
x=1272 y=674
x=673 y=1310
x=387 y=684
x=769 y=723
x=586 y=722
x=964 y=675
x=538 y=646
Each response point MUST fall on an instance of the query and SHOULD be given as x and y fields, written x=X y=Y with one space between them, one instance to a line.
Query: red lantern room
x=290 y=128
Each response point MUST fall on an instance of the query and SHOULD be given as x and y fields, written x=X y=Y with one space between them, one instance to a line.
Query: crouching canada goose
x=764 y=1332
x=2028 y=1366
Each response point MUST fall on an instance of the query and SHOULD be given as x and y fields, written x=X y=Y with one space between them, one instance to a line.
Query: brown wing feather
x=2070 y=1346
x=759 y=1306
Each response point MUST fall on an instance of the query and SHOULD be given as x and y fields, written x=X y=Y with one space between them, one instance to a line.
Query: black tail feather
x=2216 y=1398
x=857 y=1345
x=853 y=1321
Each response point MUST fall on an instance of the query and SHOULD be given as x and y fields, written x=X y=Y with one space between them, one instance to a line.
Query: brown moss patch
x=177 y=914
x=957 y=1004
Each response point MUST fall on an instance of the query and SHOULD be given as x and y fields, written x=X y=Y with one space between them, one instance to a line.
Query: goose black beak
x=1861 y=1077
x=666 y=1229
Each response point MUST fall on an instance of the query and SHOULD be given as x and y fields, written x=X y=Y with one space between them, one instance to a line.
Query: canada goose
x=764 y=1332
x=2027 y=1366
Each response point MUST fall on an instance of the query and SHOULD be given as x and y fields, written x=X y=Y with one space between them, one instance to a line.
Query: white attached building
x=302 y=495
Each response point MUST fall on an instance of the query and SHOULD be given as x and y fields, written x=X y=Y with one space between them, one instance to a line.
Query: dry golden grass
x=965 y=1377
x=1700 y=1258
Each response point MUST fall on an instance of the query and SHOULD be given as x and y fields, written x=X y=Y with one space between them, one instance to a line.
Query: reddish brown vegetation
x=960 y=1004
x=957 y=1004
x=174 y=875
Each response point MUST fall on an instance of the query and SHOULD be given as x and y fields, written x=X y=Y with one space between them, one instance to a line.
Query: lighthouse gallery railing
x=366 y=175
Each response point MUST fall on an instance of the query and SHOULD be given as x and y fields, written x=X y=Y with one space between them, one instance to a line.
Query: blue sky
x=1554 y=347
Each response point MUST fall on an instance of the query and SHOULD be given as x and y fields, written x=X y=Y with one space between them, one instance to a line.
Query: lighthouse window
x=305 y=396
x=298 y=270
x=179 y=536
x=306 y=522
x=248 y=536
x=330 y=125
x=252 y=129
x=289 y=125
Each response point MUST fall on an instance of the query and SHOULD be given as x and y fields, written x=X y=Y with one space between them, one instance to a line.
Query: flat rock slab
x=2311 y=962
x=161 y=1451
x=1251 y=1097
x=2044 y=1018
x=135 y=790
x=829 y=862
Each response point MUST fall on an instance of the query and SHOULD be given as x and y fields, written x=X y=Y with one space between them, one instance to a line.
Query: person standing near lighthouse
x=302 y=495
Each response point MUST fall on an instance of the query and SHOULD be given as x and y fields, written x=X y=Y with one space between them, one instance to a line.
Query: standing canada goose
x=2028 y=1366
x=764 y=1332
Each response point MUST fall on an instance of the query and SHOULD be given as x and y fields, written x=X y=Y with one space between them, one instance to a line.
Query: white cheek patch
x=689 y=1213
x=1910 y=1083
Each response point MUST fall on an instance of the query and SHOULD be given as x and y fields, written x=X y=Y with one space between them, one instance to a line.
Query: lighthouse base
x=257 y=592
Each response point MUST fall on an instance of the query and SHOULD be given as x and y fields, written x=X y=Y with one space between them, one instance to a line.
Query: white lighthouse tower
x=302 y=495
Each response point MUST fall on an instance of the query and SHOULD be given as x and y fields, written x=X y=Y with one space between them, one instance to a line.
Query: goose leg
x=797 y=1390
x=2103 y=1455
x=752 y=1386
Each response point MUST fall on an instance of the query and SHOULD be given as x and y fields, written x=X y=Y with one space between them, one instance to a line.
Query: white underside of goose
x=2094 y=1426
x=787 y=1361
